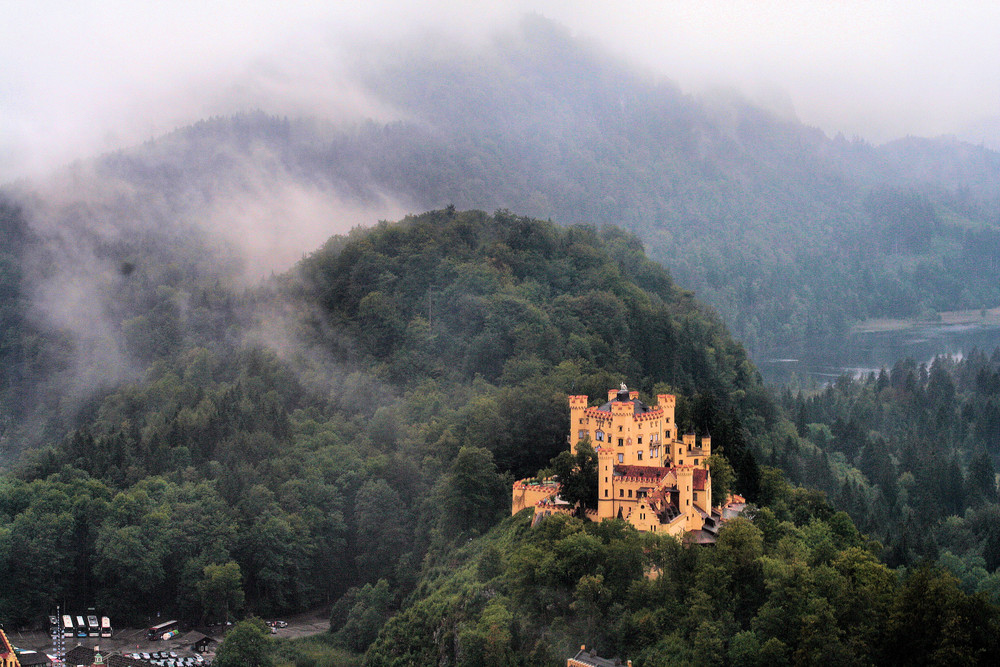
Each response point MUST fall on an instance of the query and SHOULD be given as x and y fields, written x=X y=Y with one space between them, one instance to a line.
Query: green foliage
x=314 y=476
x=723 y=479
x=370 y=607
x=374 y=481
x=247 y=644
x=760 y=596
x=221 y=591
x=578 y=475
x=909 y=452
x=475 y=493
x=313 y=651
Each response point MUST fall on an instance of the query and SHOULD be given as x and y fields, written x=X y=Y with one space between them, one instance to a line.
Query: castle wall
x=527 y=494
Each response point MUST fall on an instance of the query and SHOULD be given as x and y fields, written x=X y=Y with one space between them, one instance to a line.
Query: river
x=821 y=360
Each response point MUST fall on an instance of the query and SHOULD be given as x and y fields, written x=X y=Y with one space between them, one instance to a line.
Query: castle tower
x=668 y=403
x=578 y=422
x=605 y=490
x=685 y=501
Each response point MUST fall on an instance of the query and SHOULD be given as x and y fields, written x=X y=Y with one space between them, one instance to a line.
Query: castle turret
x=667 y=403
x=577 y=420
x=685 y=495
x=605 y=489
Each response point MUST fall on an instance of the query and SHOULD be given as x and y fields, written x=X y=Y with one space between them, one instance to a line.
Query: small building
x=33 y=659
x=80 y=656
x=585 y=658
x=200 y=643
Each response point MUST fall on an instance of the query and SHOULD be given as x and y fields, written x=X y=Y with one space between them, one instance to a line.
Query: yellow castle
x=648 y=474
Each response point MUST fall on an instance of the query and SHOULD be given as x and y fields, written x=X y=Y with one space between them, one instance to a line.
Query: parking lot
x=125 y=642
x=171 y=659
x=128 y=641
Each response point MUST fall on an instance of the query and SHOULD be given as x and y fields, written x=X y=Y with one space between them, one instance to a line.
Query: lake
x=822 y=360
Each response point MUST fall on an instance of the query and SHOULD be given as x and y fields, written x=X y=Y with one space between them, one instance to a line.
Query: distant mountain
x=787 y=232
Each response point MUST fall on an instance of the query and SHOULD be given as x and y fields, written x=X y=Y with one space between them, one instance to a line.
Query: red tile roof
x=699 y=479
x=648 y=472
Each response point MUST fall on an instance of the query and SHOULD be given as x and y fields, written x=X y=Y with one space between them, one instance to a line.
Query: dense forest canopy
x=347 y=434
x=910 y=452
x=430 y=349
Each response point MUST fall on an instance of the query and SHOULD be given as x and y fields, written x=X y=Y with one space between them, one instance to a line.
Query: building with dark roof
x=33 y=659
x=648 y=474
x=80 y=655
x=585 y=658
x=199 y=642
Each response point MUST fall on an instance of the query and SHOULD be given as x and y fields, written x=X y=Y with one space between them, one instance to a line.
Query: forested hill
x=347 y=434
x=335 y=425
x=785 y=231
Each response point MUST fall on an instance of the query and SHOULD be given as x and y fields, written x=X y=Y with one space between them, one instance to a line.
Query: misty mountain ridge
x=735 y=200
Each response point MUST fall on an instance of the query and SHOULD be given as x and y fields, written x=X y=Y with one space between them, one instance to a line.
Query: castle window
x=619 y=428
x=605 y=493
x=621 y=458
x=696 y=496
x=621 y=493
x=696 y=461
x=581 y=420
x=639 y=454
x=582 y=434
x=599 y=435
x=620 y=442
x=630 y=493
x=640 y=439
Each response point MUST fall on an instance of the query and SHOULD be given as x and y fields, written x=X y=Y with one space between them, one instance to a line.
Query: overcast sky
x=78 y=77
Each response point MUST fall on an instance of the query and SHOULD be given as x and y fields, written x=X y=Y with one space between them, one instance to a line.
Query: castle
x=648 y=474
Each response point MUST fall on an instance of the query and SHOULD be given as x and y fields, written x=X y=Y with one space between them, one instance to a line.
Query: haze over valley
x=291 y=296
